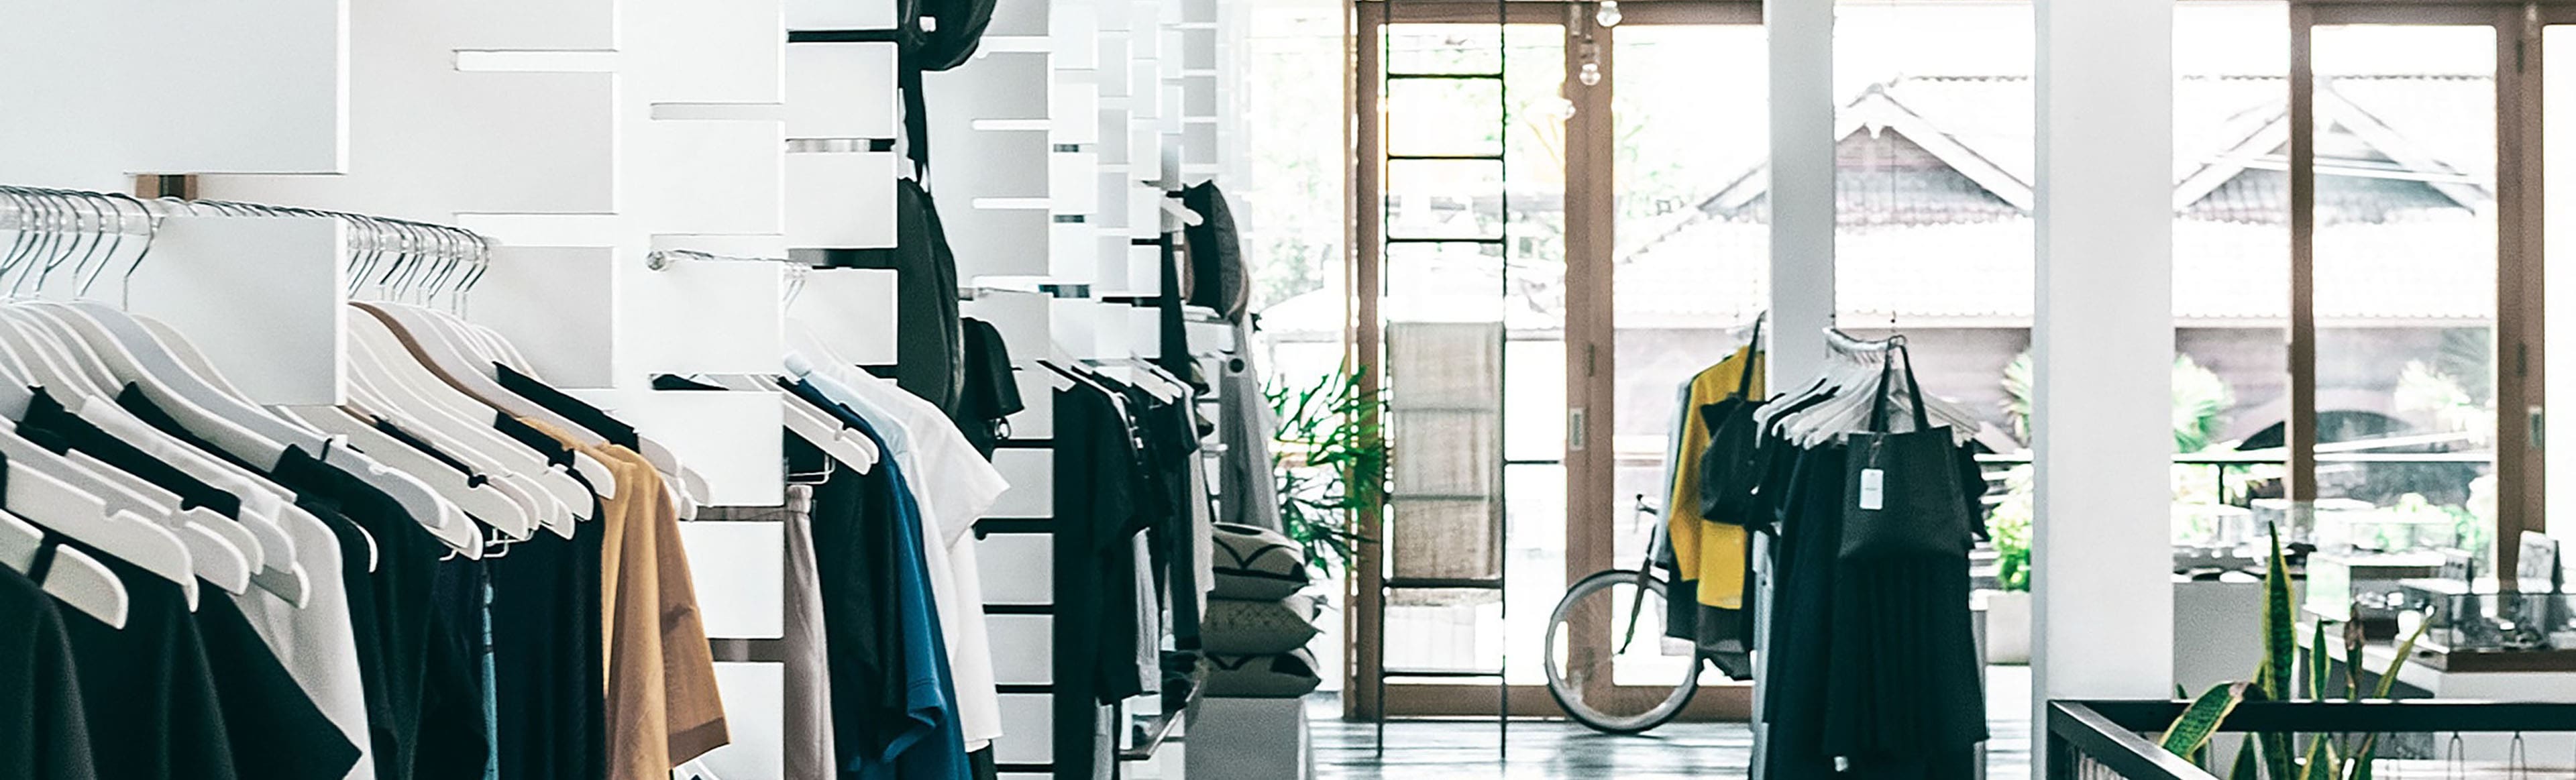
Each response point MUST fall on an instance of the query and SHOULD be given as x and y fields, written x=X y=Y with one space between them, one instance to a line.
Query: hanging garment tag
x=1873 y=489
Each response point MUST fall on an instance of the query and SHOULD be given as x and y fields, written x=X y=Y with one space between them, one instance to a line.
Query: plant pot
x=2007 y=627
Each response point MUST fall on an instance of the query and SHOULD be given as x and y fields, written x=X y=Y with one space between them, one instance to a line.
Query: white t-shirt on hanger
x=953 y=491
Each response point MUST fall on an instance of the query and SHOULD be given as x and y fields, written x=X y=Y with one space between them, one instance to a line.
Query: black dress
x=1872 y=662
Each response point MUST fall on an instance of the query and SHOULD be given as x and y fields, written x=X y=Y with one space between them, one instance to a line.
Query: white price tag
x=1873 y=489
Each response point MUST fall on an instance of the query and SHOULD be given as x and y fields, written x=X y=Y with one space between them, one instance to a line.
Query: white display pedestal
x=1250 y=739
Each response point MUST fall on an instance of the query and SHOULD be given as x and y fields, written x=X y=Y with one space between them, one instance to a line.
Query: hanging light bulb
x=1608 y=14
x=1590 y=75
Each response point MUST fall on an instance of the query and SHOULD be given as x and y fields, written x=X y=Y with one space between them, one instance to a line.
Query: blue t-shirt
x=932 y=746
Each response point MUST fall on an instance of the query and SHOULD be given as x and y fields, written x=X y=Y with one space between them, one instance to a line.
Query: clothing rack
x=1051 y=327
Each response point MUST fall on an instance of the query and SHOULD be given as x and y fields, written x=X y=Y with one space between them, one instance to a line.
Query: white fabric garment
x=1151 y=620
x=315 y=642
x=954 y=486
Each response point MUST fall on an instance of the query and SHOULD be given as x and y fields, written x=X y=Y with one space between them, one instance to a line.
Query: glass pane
x=1533 y=400
x=1693 y=263
x=1934 y=236
x=1535 y=517
x=2558 y=151
x=1445 y=199
x=2406 y=277
x=1444 y=116
x=1443 y=282
x=2231 y=267
x=1442 y=48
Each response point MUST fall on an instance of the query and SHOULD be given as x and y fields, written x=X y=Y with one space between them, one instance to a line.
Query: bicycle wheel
x=1585 y=638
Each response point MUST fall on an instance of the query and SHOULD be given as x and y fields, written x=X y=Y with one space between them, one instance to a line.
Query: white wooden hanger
x=815 y=426
x=460 y=423
x=143 y=354
x=196 y=361
x=74 y=373
x=500 y=351
x=223 y=551
x=1861 y=369
x=501 y=487
x=36 y=492
x=474 y=380
x=74 y=578
x=403 y=381
x=36 y=495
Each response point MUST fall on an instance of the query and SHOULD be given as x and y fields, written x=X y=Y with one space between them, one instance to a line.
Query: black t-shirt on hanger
x=44 y=732
x=148 y=688
x=405 y=719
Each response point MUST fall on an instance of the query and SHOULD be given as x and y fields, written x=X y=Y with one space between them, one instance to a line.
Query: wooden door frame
x=2520 y=293
x=1590 y=326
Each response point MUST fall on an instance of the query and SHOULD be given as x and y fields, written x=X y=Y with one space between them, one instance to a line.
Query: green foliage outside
x=1330 y=458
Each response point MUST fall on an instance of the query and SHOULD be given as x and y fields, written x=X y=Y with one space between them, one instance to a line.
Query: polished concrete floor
x=1555 y=749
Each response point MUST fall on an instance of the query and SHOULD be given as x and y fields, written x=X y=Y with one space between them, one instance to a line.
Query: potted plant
x=1330 y=459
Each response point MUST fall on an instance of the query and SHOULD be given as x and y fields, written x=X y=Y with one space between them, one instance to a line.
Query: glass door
x=1498 y=180
x=2410 y=333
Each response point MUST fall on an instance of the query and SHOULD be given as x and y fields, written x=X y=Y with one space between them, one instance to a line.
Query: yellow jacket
x=1709 y=551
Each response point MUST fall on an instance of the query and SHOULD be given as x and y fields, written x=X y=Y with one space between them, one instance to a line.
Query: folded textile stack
x=1258 y=617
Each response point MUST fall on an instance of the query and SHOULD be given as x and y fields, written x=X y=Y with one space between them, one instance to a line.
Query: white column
x=2103 y=349
x=1802 y=185
x=1801 y=38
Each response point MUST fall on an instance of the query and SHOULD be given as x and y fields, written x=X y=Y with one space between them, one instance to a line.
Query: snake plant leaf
x=2318 y=660
x=2244 y=769
x=2277 y=624
x=2314 y=766
x=2368 y=755
x=2406 y=649
x=2191 y=730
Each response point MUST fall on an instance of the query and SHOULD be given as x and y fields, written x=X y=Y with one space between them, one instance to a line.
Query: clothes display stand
x=618 y=161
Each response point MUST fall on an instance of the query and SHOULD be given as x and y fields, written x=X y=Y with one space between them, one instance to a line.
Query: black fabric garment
x=556 y=453
x=55 y=428
x=1872 y=661
x=455 y=680
x=1095 y=460
x=982 y=764
x=546 y=654
x=929 y=341
x=151 y=686
x=44 y=732
x=395 y=652
x=276 y=730
x=856 y=539
x=574 y=409
x=1217 y=275
x=1170 y=443
x=992 y=390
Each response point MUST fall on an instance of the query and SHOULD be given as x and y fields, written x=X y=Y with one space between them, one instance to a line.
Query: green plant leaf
x=2191 y=730
x=2277 y=623
x=2245 y=767
x=2406 y=649
x=2278 y=638
x=2317 y=660
x=2313 y=767
x=2364 y=758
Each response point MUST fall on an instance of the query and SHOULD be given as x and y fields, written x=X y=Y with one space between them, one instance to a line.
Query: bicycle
x=1580 y=675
